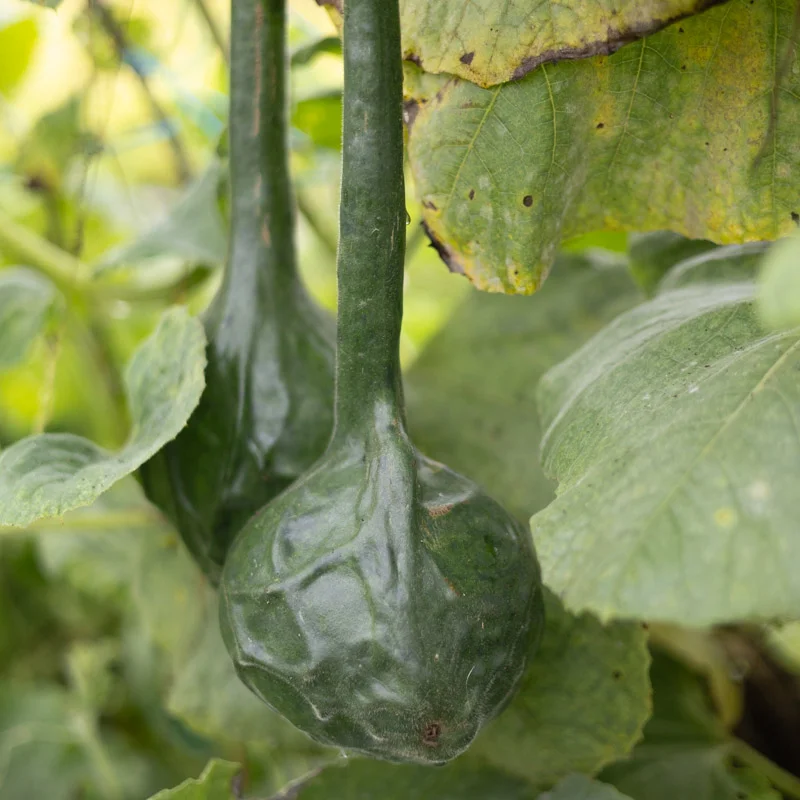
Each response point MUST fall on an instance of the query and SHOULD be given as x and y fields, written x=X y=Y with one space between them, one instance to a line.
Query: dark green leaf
x=331 y=45
x=653 y=255
x=47 y=475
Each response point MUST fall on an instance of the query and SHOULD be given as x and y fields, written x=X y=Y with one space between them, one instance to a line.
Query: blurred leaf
x=686 y=751
x=330 y=45
x=53 y=473
x=732 y=264
x=653 y=255
x=642 y=140
x=361 y=779
x=583 y=701
x=91 y=672
x=320 y=118
x=49 y=749
x=194 y=230
x=26 y=298
x=579 y=787
x=674 y=436
x=46 y=3
x=18 y=40
x=779 y=285
x=471 y=394
x=216 y=783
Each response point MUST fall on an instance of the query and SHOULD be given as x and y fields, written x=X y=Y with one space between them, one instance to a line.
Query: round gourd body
x=383 y=603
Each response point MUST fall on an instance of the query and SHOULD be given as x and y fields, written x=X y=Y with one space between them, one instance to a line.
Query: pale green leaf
x=26 y=298
x=194 y=230
x=674 y=132
x=779 y=291
x=686 y=751
x=471 y=394
x=583 y=701
x=489 y=42
x=674 y=435
x=218 y=782
x=362 y=779
x=47 y=475
x=18 y=38
x=579 y=787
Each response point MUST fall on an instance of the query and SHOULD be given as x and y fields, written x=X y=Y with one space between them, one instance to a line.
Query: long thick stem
x=262 y=263
x=372 y=214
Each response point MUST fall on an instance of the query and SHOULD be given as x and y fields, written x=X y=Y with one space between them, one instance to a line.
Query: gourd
x=383 y=603
x=267 y=411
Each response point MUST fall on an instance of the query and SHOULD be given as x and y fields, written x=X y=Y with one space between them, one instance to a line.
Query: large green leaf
x=26 y=298
x=686 y=751
x=471 y=393
x=489 y=42
x=218 y=782
x=674 y=132
x=18 y=39
x=579 y=787
x=583 y=701
x=47 y=475
x=779 y=292
x=674 y=437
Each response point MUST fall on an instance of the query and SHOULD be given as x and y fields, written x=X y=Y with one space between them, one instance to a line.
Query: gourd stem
x=261 y=263
x=372 y=216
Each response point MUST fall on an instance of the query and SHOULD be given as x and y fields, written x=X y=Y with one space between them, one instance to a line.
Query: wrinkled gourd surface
x=267 y=411
x=382 y=603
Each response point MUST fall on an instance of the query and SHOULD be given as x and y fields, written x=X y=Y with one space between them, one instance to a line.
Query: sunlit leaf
x=18 y=38
x=218 y=782
x=779 y=290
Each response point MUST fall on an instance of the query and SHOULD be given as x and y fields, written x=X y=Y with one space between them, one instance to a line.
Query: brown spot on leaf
x=445 y=252
x=440 y=511
x=337 y=4
x=430 y=205
x=795 y=218
x=467 y=58
x=527 y=201
x=410 y=111
x=471 y=194
x=600 y=126
x=413 y=58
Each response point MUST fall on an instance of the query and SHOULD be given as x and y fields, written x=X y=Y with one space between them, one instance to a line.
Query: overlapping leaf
x=216 y=783
x=680 y=131
x=675 y=437
x=47 y=475
x=779 y=293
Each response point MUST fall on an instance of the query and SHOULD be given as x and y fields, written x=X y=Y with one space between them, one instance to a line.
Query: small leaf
x=26 y=298
x=194 y=230
x=47 y=475
x=331 y=45
x=579 y=787
x=216 y=783
x=674 y=437
x=663 y=135
x=18 y=40
x=320 y=118
x=582 y=703
x=686 y=751
x=779 y=291
x=360 y=779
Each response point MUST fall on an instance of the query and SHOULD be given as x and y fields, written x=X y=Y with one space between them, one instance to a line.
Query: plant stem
x=117 y=35
x=372 y=216
x=784 y=781
x=213 y=29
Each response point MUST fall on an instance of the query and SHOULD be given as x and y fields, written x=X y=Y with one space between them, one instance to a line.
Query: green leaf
x=320 y=118
x=471 y=395
x=330 y=45
x=194 y=230
x=218 y=782
x=47 y=3
x=582 y=703
x=671 y=133
x=579 y=787
x=18 y=40
x=686 y=751
x=779 y=290
x=674 y=437
x=451 y=36
x=361 y=779
x=47 y=475
x=26 y=298
x=653 y=255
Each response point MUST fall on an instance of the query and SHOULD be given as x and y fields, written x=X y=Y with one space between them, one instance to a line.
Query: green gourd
x=267 y=411
x=383 y=603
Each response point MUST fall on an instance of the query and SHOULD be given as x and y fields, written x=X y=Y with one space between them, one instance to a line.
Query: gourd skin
x=384 y=603
x=267 y=410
